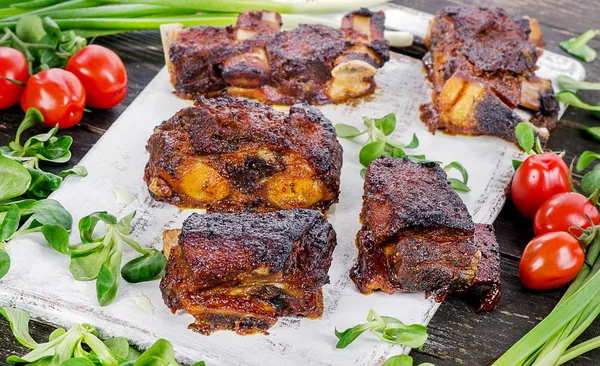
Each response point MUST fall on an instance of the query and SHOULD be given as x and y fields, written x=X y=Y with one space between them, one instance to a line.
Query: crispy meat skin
x=229 y=154
x=417 y=234
x=478 y=63
x=241 y=271
x=255 y=59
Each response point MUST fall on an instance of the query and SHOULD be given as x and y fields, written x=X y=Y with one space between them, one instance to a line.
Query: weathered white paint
x=39 y=280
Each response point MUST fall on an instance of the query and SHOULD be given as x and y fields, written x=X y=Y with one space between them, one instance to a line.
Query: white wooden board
x=39 y=280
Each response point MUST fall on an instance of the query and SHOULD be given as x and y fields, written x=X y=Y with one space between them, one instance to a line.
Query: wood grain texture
x=457 y=335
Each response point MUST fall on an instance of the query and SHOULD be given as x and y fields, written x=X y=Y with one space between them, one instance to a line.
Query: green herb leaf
x=30 y=29
x=567 y=82
x=86 y=266
x=399 y=360
x=347 y=131
x=363 y=173
x=525 y=136
x=572 y=99
x=32 y=117
x=51 y=212
x=456 y=183
x=370 y=152
x=57 y=236
x=578 y=47
x=119 y=346
x=585 y=159
x=42 y=183
x=516 y=164
x=56 y=333
x=398 y=153
x=591 y=181
x=148 y=267
x=349 y=335
x=77 y=170
x=4 y=263
x=161 y=350
x=107 y=282
x=19 y=325
x=10 y=223
x=88 y=223
x=15 y=179
x=414 y=143
x=387 y=124
x=77 y=361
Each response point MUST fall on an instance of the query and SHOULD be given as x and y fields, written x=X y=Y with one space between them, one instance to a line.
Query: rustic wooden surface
x=458 y=336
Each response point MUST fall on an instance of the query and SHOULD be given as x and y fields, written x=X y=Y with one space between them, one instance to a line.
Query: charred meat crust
x=241 y=271
x=493 y=54
x=247 y=144
x=400 y=195
x=296 y=65
x=417 y=235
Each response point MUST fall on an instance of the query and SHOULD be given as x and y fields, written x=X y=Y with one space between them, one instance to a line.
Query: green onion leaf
x=578 y=47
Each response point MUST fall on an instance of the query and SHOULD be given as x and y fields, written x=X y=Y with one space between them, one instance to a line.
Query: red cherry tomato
x=550 y=260
x=58 y=94
x=102 y=73
x=564 y=210
x=539 y=177
x=13 y=65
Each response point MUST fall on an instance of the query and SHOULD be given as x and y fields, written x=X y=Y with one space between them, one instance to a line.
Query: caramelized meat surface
x=241 y=271
x=312 y=64
x=482 y=65
x=231 y=154
x=417 y=234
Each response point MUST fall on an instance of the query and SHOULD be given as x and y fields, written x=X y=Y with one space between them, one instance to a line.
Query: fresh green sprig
x=570 y=98
x=388 y=329
x=379 y=143
x=528 y=141
x=14 y=209
x=577 y=46
x=402 y=360
x=43 y=147
x=82 y=346
x=99 y=258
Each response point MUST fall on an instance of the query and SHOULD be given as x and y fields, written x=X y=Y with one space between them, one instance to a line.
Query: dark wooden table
x=458 y=336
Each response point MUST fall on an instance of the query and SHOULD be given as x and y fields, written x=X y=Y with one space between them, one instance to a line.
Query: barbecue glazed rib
x=241 y=271
x=481 y=63
x=233 y=154
x=417 y=235
x=312 y=64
